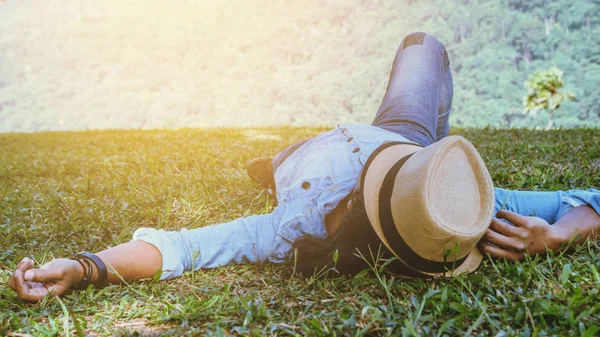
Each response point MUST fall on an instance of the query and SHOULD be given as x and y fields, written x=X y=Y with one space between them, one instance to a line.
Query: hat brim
x=469 y=265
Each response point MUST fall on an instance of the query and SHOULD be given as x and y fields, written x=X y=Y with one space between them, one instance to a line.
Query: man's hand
x=56 y=277
x=526 y=236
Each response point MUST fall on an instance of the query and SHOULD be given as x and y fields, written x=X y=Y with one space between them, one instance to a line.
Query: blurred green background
x=76 y=64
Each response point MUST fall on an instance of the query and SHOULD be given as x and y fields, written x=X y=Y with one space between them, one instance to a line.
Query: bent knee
x=413 y=39
x=419 y=39
x=424 y=39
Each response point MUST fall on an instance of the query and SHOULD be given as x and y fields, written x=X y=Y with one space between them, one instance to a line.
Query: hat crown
x=432 y=207
x=444 y=196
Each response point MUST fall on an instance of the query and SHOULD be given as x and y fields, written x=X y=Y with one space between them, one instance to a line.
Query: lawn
x=65 y=192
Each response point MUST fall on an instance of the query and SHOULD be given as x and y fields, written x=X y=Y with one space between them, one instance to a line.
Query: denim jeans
x=418 y=99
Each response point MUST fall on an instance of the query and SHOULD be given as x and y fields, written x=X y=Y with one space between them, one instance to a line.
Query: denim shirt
x=310 y=184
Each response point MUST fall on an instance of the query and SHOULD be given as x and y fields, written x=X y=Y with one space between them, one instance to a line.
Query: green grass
x=61 y=193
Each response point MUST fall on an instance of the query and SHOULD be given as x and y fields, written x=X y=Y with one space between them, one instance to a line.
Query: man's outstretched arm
x=243 y=240
x=132 y=260
x=533 y=235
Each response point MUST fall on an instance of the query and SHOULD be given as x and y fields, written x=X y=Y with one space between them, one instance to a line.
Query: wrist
x=558 y=238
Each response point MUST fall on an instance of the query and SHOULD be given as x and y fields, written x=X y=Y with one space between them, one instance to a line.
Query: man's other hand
x=54 y=278
x=524 y=235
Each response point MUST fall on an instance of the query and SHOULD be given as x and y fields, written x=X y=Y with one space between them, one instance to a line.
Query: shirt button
x=356 y=150
x=306 y=185
x=349 y=139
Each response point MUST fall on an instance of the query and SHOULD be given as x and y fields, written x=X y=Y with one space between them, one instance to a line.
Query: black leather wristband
x=100 y=266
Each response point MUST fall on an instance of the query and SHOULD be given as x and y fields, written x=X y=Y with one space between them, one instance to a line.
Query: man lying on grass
x=400 y=184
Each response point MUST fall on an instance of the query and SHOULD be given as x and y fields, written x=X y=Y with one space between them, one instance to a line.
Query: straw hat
x=429 y=206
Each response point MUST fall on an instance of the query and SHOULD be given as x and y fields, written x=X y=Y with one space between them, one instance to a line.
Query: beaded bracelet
x=87 y=274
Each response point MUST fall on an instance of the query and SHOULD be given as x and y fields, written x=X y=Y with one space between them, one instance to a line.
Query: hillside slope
x=71 y=64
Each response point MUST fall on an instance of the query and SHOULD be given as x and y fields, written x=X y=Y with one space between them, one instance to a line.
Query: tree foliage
x=544 y=92
x=147 y=63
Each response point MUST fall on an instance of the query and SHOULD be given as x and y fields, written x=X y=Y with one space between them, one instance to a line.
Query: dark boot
x=261 y=171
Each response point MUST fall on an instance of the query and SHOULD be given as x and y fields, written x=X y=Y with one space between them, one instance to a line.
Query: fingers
x=505 y=242
x=516 y=219
x=27 y=287
x=21 y=288
x=504 y=228
x=498 y=252
x=42 y=275
x=23 y=265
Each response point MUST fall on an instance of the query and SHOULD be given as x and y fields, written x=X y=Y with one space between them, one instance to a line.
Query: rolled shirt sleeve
x=549 y=206
x=244 y=240
x=577 y=198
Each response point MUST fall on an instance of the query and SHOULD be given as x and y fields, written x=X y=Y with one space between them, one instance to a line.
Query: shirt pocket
x=309 y=185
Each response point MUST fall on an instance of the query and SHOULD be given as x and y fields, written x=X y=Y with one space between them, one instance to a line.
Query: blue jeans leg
x=446 y=94
x=418 y=99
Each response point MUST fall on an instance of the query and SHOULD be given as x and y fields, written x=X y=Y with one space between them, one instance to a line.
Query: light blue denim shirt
x=310 y=183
